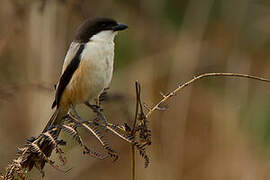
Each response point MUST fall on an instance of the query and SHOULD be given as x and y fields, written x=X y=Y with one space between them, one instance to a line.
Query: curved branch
x=173 y=93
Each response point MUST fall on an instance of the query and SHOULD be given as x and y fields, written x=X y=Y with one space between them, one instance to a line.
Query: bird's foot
x=95 y=107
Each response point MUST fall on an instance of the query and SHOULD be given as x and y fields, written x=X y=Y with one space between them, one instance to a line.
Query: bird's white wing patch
x=73 y=48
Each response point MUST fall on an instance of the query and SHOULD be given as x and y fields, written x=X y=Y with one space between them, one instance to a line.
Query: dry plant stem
x=132 y=146
x=133 y=163
x=173 y=93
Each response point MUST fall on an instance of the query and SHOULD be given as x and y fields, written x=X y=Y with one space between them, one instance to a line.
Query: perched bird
x=88 y=66
x=87 y=71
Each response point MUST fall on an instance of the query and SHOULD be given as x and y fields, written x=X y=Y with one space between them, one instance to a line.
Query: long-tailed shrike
x=88 y=66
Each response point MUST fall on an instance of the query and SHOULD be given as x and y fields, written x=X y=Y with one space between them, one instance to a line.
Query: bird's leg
x=100 y=99
x=95 y=108
x=74 y=110
x=74 y=117
x=98 y=111
x=75 y=114
x=92 y=128
x=103 y=96
x=97 y=102
x=111 y=127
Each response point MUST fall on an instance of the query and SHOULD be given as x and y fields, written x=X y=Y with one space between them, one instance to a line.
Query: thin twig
x=133 y=163
x=133 y=130
x=138 y=91
x=173 y=93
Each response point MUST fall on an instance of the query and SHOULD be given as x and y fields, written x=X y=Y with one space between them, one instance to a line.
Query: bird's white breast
x=95 y=70
x=98 y=56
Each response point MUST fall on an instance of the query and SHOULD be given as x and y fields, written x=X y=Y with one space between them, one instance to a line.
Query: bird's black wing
x=67 y=75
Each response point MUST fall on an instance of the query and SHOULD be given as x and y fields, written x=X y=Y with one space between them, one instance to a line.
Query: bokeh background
x=217 y=129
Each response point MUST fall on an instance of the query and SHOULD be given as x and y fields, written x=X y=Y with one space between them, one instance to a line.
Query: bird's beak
x=119 y=27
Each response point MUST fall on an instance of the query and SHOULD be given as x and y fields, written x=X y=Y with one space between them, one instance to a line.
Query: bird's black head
x=93 y=26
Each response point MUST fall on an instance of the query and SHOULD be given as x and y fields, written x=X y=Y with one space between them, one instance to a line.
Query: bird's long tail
x=56 y=118
x=46 y=146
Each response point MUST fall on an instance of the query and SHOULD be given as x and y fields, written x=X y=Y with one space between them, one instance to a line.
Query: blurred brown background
x=217 y=129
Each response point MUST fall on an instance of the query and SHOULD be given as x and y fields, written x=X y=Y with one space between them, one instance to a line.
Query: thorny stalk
x=196 y=78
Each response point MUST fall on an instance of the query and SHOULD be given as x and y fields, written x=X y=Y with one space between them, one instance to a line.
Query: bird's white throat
x=105 y=36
